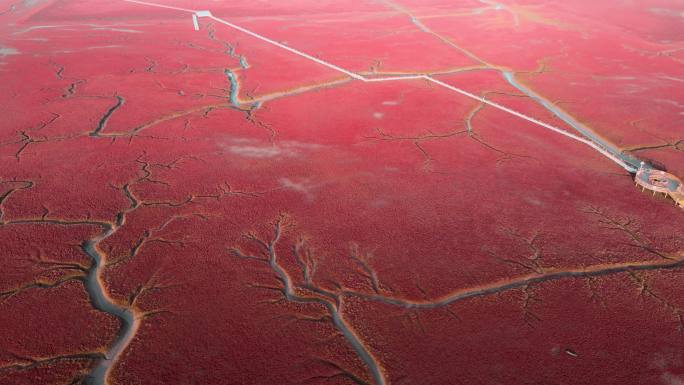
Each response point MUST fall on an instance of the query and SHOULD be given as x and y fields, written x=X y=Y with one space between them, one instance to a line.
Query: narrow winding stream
x=100 y=300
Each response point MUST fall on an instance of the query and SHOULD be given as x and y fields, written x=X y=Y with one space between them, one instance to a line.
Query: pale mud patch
x=303 y=186
x=79 y=27
x=252 y=148
x=8 y=51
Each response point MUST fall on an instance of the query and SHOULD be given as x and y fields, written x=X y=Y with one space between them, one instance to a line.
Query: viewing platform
x=660 y=182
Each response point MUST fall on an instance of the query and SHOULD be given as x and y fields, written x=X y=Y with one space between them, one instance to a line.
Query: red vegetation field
x=182 y=206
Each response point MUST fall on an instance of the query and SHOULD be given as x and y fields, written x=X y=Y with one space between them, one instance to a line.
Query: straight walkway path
x=596 y=146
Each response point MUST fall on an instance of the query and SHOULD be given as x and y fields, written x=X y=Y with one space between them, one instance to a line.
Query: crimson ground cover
x=266 y=219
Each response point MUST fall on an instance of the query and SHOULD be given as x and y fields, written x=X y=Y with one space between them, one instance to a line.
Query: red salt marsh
x=211 y=206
